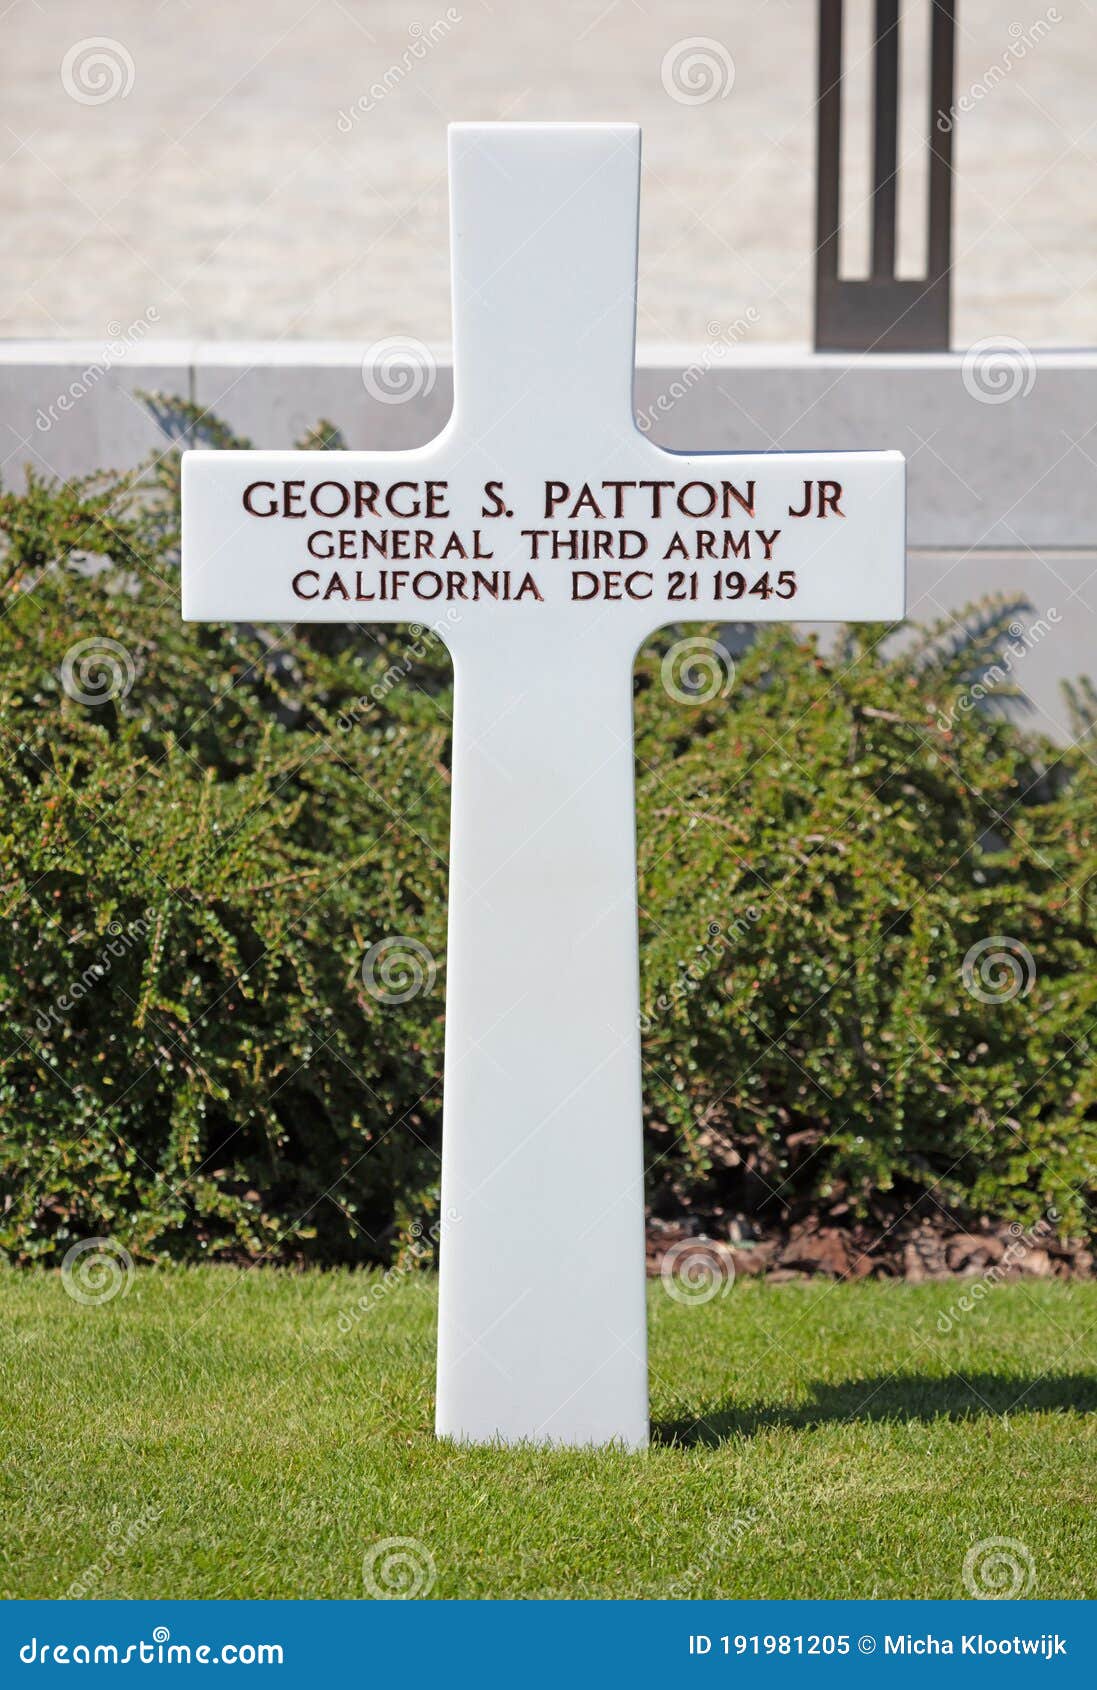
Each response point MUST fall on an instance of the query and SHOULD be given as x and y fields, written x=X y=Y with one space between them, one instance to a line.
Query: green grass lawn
x=218 y=1433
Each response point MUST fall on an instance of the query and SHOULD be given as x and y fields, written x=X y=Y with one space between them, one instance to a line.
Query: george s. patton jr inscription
x=395 y=541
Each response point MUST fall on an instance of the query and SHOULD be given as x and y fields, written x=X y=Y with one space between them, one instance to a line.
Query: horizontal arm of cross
x=623 y=532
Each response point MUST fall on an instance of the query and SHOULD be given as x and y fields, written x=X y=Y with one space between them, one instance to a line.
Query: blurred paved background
x=223 y=195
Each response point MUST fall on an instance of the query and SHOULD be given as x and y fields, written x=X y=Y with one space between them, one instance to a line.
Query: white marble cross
x=546 y=538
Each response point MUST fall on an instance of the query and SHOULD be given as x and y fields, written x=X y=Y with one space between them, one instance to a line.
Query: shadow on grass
x=895 y=1397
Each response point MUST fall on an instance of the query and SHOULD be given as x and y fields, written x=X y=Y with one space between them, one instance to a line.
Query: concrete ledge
x=983 y=472
x=988 y=472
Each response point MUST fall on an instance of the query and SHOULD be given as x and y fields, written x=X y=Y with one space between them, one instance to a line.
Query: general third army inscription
x=545 y=537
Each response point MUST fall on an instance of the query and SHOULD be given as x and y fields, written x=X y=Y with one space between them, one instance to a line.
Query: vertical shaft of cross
x=541 y=1323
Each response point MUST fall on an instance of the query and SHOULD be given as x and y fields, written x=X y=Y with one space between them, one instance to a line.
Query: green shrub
x=221 y=841
x=819 y=854
x=203 y=829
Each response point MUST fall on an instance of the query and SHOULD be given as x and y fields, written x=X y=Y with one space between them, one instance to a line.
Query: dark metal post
x=828 y=139
x=884 y=313
x=885 y=138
